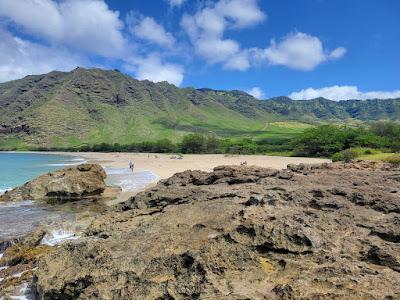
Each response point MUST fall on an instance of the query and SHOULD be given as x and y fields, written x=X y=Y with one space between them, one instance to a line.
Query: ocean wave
x=129 y=181
x=57 y=237
x=2 y=191
x=62 y=164
x=26 y=203
x=117 y=171
x=74 y=161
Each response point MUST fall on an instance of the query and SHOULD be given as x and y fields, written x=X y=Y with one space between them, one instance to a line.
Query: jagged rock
x=379 y=256
x=72 y=183
x=240 y=233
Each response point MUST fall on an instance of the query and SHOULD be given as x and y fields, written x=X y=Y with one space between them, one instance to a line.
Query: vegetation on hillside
x=93 y=106
x=346 y=143
x=341 y=143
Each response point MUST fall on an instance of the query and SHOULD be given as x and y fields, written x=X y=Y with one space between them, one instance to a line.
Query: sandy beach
x=164 y=165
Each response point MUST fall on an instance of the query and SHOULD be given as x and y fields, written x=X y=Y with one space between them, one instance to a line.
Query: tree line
x=327 y=140
x=319 y=141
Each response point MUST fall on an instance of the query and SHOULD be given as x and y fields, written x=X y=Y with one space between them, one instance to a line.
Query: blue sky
x=338 y=49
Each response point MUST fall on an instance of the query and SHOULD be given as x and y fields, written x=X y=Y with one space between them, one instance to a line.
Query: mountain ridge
x=96 y=105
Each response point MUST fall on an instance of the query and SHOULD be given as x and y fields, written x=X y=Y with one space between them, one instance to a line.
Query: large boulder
x=72 y=183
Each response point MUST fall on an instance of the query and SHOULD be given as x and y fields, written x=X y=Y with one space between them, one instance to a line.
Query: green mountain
x=93 y=106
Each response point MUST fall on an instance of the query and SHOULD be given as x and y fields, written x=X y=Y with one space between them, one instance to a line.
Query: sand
x=164 y=165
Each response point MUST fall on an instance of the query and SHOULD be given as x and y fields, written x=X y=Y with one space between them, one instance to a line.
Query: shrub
x=345 y=155
x=365 y=151
x=213 y=145
x=323 y=140
x=193 y=143
x=394 y=160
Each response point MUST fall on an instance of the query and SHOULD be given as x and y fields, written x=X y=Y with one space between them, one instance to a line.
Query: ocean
x=19 y=218
x=18 y=168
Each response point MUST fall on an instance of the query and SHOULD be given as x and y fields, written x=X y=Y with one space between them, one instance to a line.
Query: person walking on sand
x=131 y=166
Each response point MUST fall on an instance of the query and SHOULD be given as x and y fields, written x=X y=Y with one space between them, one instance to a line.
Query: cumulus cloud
x=148 y=29
x=20 y=57
x=68 y=31
x=344 y=92
x=242 y=13
x=175 y=2
x=87 y=25
x=154 y=69
x=256 y=92
x=207 y=27
x=298 y=51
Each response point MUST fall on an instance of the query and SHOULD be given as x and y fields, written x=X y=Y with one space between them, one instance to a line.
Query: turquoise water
x=18 y=168
x=20 y=218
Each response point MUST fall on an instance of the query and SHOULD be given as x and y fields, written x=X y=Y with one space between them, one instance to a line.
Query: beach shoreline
x=165 y=165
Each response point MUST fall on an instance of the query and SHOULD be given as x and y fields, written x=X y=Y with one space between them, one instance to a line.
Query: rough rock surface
x=309 y=232
x=72 y=183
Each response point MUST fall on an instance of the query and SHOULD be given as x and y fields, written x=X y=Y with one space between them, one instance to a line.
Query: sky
x=337 y=49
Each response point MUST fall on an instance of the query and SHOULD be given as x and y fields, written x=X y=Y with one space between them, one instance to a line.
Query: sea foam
x=57 y=237
x=129 y=181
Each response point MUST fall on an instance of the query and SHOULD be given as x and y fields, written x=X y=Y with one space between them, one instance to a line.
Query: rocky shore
x=327 y=231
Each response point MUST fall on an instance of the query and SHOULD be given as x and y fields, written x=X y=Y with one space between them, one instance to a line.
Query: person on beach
x=131 y=166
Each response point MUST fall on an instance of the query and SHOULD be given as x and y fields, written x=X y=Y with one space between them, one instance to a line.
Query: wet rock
x=72 y=183
x=22 y=254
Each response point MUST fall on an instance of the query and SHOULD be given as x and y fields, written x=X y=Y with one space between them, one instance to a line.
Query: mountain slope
x=324 y=109
x=94 y=106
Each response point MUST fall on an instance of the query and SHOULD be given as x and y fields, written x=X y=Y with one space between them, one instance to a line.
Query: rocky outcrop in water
x=326 y=231
x=72 y=183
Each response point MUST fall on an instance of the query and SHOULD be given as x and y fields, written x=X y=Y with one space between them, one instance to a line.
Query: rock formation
x=326 y=231
x=72 y=183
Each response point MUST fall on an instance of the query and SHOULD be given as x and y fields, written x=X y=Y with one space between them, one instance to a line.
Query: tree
x=323 y=141
x=193 y=143
x=213 y=145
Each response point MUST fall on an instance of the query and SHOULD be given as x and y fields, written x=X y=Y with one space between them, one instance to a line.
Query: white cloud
x=148 y=29
x=239 y=61
x=19 y=58
x=298 y=51
x=338 y=53
x=207 y=27
x=243 y=13
x=216 y=50
x=87 y=25
x=175 y=2
x=152 y=68
x=66 y=31
x=342 y=93
x=256 y=92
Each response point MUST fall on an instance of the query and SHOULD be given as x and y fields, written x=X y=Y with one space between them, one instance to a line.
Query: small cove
x=20 y=218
